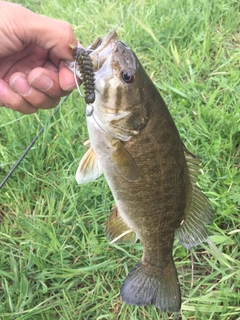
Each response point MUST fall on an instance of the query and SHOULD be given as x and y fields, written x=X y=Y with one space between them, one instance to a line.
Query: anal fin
x=117 y=230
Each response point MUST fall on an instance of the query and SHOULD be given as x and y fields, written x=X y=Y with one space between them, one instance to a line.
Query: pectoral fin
x=193 y=230
x=117 y=230
x=89 y=168
x=123 y=161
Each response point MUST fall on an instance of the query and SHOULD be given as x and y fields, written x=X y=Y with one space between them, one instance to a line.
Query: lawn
x=55 y=260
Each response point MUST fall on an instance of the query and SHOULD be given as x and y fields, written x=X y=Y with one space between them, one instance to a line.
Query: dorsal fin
x=193 y=230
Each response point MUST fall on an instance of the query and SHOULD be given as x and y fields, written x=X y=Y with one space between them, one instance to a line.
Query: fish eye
x=127 y=76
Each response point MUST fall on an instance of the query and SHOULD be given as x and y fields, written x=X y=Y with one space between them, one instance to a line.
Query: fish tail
x=146 y=285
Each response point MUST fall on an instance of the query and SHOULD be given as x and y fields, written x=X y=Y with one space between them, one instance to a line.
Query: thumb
x=26 y=27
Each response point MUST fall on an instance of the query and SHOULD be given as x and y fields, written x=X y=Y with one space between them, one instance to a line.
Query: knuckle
x=28 y=110
x=66 y=29
x=48 y=103
x=15 y=104
x=67 y=34
x=21 y=106
x=66 y=26
x=55 y=102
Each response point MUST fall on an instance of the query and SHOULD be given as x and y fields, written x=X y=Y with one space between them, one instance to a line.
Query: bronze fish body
x=136 y=145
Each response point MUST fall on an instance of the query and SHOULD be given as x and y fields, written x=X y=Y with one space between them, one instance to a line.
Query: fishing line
x=75 y=79
x=130 y=8
x=32 y=143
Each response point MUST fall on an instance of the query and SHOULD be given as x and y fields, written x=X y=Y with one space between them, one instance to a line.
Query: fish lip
x=101 y=53
x=105 y=41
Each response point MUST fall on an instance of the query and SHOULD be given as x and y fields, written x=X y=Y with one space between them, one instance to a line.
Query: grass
x=55 y=261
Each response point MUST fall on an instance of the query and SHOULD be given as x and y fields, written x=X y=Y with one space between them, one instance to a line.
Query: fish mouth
x=107 y=47
x=101 y=51
x=113 y=51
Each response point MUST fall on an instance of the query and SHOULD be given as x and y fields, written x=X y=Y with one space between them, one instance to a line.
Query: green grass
x=55 y=261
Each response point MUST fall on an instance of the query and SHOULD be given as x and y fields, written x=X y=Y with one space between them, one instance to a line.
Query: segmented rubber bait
x=86 y=69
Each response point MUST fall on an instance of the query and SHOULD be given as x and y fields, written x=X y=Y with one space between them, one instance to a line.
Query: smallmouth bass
x=136 y=145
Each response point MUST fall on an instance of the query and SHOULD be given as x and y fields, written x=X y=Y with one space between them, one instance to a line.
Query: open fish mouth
x=98 y=52
x=105 y=47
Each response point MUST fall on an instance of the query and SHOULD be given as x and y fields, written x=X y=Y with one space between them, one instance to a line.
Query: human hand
x=32 y=73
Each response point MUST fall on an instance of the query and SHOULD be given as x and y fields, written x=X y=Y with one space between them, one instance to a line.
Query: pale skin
x=33 y=47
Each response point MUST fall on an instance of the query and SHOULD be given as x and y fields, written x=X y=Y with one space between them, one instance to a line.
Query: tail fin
x=143 y=286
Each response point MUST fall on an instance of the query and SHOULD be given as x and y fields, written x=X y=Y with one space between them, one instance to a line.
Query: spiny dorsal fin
x=117 y=230
x=123 y=161
x=89 y=168
x=193 y=230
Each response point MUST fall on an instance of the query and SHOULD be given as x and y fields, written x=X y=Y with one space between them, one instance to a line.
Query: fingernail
x=70 y=87
x=21 y=86
x=42 y=83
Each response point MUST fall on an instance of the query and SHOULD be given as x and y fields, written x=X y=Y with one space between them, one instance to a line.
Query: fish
x=135 y=143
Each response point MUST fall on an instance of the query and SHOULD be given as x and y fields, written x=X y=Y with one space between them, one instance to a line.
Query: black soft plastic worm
x=86 y=70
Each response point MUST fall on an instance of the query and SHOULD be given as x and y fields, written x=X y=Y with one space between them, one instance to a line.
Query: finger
x=12 y=100
x=34 y=28
x=46 y=81
x=66 y=78
x=57 y=42
x=51 y=82
x=23 y=61
x=51 y=65
x=38 y=99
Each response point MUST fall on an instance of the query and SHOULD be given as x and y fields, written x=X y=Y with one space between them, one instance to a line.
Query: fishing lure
x=85 y=65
